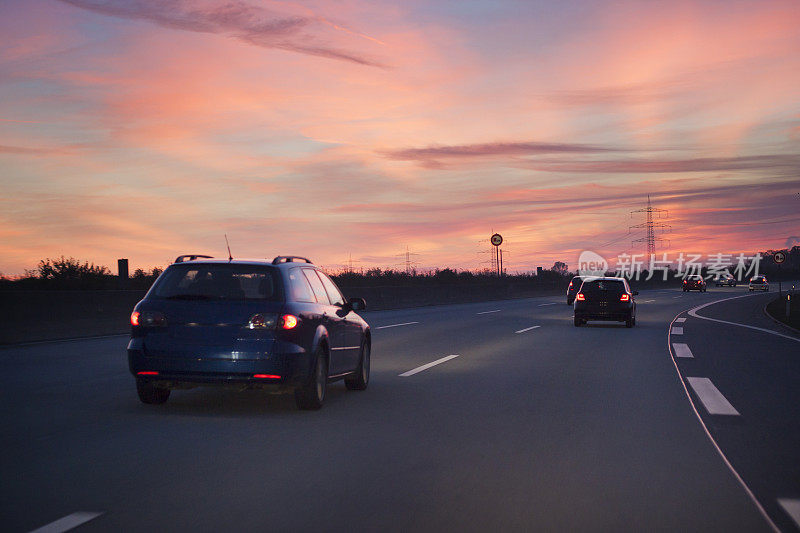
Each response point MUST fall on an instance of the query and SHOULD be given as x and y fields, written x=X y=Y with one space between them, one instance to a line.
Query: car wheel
x=630 y=321
x=150 y=394
x=311 y=396
x=569 y=302
x=360 y=379
x=578 y=322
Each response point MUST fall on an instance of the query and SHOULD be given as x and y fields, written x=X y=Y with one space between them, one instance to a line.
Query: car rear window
x=219 y=282
x=599 y=285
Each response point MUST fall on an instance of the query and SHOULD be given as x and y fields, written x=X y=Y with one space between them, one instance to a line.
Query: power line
x=650 y=225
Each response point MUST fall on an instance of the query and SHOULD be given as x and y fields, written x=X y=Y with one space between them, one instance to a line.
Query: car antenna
x=230 y=257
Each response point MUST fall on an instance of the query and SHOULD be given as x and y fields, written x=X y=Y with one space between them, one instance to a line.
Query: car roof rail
x=289 y=259
x=191 y=257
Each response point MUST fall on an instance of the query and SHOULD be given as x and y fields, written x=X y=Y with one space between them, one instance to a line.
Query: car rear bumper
x=615 y=317
x=292 y=365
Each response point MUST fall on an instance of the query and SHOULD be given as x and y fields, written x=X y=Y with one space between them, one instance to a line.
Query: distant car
x=605 y=298
x=759 y=283
x=724 y=280
x=282 y=326
x=573 y=287
x=694 y=283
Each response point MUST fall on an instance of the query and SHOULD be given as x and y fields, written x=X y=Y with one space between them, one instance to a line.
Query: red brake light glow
x=289 y=322
x=570 y=284
x=147 y=373
x=135 y=318
x=266 y=376
x=624 y=298
x=580 y=297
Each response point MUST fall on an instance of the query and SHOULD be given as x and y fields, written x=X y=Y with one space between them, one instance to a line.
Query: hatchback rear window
x=603 y=285
x=220 y=282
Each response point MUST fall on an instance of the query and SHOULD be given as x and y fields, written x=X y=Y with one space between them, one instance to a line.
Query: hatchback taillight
x=580 y=297
x=289 y=321
x=624 y=298
x=148 y=318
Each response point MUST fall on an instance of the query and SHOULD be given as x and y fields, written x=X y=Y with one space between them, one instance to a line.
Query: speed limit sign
x=497 y=239
x=779 y=257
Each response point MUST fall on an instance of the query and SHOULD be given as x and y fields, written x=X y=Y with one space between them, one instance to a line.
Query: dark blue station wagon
x=282 y=326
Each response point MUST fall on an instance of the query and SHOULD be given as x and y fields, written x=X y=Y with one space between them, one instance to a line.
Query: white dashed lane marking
x=792 y=508
x=397 y=325
x=68 y=522
x=682 y=350
x=676 y=330
x=487 y=312
x=680 y=320
x=426 y=367
x=711 y=398
x=551 y=303
x=527 y=329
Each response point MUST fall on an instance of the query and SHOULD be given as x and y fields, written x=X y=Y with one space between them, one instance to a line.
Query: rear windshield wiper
x=189 y=297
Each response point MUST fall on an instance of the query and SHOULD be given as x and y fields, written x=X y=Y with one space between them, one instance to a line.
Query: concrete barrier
x=27 y=316
x=45 y=315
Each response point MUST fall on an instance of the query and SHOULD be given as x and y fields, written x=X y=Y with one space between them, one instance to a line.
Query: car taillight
x=570 y=285
x=266 y=376
x=148 y=318
x=685 y=282
x=147 y=373
x=289 y=321
x=624 y=298
x=580 y=297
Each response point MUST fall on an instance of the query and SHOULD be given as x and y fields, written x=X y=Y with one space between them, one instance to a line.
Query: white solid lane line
x=676 y=330
x=680 y=320
x=693 y=312
x=792 y=508
x=426 y=367
x=682 y=350
x=487 y=312
x=67 y=523
x=551 y=303
x=397 y=325
x=711 y=398
x=527 y=329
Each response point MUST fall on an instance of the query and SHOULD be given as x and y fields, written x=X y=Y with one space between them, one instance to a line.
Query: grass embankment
x=777 y=309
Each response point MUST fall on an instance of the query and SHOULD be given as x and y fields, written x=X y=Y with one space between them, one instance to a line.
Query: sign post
x=779 y=258
x=496 y=241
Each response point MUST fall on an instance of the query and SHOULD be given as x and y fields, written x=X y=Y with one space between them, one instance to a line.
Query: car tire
x=150 y=394
x=630 y=321
x=311 y=396
x=360 y=379
x=579 y=322
x=569 y=302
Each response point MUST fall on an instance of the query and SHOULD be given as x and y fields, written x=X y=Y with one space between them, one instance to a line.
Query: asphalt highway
x=524 y=423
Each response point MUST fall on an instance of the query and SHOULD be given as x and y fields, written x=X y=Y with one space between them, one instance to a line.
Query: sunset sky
x=147 y=129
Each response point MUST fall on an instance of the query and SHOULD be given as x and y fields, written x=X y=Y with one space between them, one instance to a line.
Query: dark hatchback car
x=694 y=283
x=572 y=288
x=605 y=298
x=282 y=326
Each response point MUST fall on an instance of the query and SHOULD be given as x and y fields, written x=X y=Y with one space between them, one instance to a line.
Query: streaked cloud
x=246 y=22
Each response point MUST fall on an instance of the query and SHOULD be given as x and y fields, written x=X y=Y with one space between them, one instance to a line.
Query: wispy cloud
x=432 y=156
x=699 y=164
x=248 y=23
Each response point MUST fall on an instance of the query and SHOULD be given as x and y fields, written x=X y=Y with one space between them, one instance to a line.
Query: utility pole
x=650 y=225
x=409 y=262
x=349 y=263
